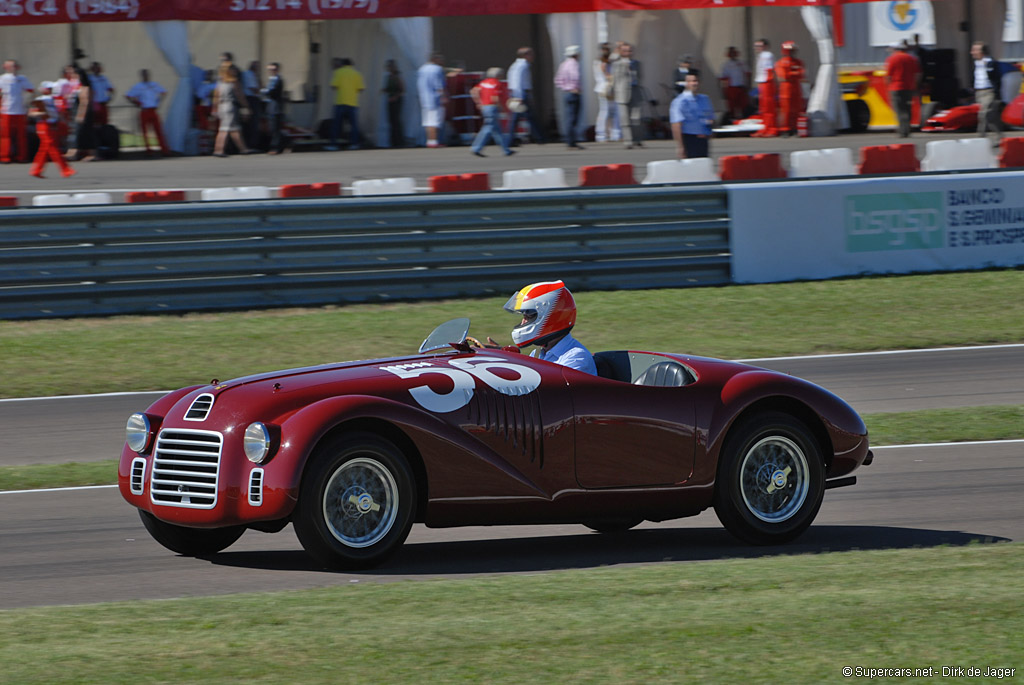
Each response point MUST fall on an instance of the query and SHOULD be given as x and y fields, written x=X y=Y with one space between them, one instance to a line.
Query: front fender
x=455 y=463
x=845 y=430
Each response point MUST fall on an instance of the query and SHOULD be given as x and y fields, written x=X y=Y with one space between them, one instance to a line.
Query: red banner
x=19 y=12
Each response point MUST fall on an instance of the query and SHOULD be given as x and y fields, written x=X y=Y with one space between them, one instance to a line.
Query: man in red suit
x=790 y=72
x=764 y=78
x=44 y=111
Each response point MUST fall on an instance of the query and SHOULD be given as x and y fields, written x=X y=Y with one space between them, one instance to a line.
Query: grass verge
x=56 y=357
x=745 y=620
x=900 y=428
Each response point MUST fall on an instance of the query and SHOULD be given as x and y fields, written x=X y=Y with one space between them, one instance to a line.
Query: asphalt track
x=82 y=546
x=58 y=430
x=193 y=174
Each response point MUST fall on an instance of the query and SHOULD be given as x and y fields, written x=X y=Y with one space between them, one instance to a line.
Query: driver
x=549 y=313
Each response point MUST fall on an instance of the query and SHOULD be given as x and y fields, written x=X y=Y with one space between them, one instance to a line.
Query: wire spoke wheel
x=771 y=479
x=774 y=479
x=360 y=502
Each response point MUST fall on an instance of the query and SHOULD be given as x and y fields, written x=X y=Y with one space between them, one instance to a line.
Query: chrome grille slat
x=186 y=468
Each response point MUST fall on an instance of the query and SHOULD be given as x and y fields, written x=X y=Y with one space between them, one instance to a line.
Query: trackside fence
x=133 y=259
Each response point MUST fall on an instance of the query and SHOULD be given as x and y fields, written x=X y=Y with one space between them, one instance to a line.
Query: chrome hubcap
x=774 y=479
x=360 y=502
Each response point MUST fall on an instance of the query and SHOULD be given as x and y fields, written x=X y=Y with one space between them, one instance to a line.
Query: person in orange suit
x=764 y=77
x=44 y=111
x=791 y=74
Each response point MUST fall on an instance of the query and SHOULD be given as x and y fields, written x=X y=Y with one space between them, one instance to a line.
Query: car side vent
x=138 y=476
x=516 y=419
x=256 y=488
x=200 y=408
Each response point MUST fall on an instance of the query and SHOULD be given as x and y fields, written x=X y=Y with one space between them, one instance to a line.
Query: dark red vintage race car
x=353 y=453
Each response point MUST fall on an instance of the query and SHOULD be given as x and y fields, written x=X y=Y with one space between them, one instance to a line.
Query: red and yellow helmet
x=548 y=311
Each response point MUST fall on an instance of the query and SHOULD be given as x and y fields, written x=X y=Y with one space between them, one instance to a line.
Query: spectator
x=520 y=87
x=13 y=112
x=231 y=105
x=44 y=112
x=987 y=86
x=735 y=82
x=347 y=84
x=252 y=85
x=430 y=86
x=764 y=79
x=490 y=96
x=204 y=105
x=83 y=116
x=606 y=108
x=567 y=80
x=147 y=96
x=273 y=108
x=903 y=77
x=394 y=90
x=691 y=117
x=790 y=73
x=626 y=78
x=65 y=96
x=683 y=67
x=102 y=91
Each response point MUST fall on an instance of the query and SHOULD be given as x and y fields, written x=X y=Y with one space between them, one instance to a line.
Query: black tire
x=860 y=115
x=357 y=502
x=612 y=526
x=190 y=542
x=771 y=479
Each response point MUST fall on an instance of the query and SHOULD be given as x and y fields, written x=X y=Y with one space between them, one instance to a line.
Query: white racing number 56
x=463 y=377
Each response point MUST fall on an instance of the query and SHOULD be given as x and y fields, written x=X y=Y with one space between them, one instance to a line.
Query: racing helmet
x=789 y=47
x=548 y=311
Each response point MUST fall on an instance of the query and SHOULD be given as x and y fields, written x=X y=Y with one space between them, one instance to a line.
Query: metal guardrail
x=131 y=259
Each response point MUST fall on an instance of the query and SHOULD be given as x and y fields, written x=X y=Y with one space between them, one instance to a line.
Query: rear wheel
x=771 y=479
x=356 y=503
x=190 y=542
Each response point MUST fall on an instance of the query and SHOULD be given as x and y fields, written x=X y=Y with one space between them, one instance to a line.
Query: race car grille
x=256 y=488
x=200 y=408
x=138 y=475
x=186 y=464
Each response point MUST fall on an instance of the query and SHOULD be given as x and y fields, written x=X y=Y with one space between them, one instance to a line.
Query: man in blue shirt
x=691 y=117
x=548 y=313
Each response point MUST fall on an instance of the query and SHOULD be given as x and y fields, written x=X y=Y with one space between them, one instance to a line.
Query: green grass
x=162 y=352
x=899 y=428
x=768 y=620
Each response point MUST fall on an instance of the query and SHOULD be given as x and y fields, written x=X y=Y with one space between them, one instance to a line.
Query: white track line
x=879 y=353
x=80 y=397
x=879 y=447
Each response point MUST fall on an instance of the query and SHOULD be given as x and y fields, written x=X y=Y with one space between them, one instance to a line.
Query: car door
x=630 y=435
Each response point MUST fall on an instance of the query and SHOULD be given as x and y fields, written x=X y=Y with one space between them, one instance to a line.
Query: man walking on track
x=44 y=112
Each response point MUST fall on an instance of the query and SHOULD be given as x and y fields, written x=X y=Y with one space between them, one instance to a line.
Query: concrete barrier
x=698 y=170
x=62 y=199
x=384 y=186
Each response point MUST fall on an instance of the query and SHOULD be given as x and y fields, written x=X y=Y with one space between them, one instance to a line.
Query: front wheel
x=356 y=503
x=771 y=479
x=190 y=542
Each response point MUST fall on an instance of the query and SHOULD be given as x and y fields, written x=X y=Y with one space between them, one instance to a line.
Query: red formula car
x=353 y=453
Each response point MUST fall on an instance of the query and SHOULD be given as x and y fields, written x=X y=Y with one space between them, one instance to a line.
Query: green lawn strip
x=772 y=619
x=75 y=356
x=902 y=428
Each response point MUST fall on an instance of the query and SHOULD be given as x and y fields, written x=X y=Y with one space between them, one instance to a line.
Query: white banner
x=1013 y=30
x=827 y=229
x=896 y=20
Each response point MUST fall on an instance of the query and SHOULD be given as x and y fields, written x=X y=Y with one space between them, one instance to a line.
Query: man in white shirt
x=520 y=87
x=767 y=93
x=147 y=96
x=13 y=112
x=987 y=82
x=430 y=86
x=100 y=94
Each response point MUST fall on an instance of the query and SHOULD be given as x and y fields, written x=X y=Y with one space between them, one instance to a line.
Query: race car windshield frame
x=445 y=335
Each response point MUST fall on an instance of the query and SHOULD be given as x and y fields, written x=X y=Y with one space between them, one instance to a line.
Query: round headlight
x=137 y=432
x=256 y=442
